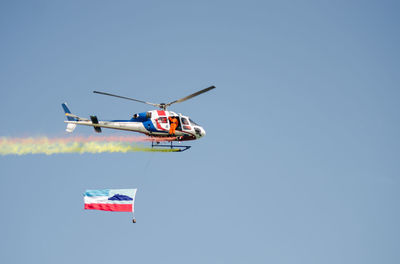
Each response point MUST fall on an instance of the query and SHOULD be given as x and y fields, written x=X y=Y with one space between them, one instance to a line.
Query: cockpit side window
x=184 y=121
x=162 y=120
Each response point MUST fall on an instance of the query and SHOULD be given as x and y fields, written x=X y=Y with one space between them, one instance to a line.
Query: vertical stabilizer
x=70 y=127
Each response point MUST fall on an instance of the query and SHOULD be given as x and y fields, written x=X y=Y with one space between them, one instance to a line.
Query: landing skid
x=177 y=148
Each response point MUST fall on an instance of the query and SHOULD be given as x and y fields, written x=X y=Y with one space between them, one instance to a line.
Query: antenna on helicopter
x=163 y=106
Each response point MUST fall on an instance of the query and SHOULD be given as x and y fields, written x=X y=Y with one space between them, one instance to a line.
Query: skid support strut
x=177 y=148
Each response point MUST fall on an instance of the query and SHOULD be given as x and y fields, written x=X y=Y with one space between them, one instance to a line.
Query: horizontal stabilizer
x=95 y=121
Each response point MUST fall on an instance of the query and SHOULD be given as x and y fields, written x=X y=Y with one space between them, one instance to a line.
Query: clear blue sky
x=301 y=159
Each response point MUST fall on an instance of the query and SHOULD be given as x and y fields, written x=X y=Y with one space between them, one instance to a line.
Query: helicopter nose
x=203 y=132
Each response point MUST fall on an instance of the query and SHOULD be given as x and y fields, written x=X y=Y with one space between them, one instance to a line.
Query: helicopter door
x=185 y=124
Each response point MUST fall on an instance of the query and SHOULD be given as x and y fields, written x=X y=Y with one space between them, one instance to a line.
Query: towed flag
x=117 y=200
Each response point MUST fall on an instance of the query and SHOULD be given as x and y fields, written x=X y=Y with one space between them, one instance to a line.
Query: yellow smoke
x=49 y=146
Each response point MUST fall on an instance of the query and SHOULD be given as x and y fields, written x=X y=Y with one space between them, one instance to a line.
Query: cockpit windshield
x=193 y=123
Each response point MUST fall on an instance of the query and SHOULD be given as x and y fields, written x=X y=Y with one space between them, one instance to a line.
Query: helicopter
x=155 y=123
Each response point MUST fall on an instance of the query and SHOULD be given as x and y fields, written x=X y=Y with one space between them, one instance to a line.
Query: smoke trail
x=49 y=146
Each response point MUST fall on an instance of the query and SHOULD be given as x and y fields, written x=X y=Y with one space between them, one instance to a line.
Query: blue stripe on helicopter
x=148 y=125
x=131 y=120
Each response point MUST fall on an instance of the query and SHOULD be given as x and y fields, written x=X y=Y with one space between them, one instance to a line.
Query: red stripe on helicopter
x=161 y=113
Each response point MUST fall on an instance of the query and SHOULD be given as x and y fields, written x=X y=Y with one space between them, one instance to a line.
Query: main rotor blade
x=123 y=97
x=191 y=96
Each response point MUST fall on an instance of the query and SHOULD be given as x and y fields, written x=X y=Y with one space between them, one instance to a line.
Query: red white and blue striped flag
x=119 y=200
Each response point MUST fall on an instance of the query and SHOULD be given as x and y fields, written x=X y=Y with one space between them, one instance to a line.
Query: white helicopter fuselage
x=153 y=123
